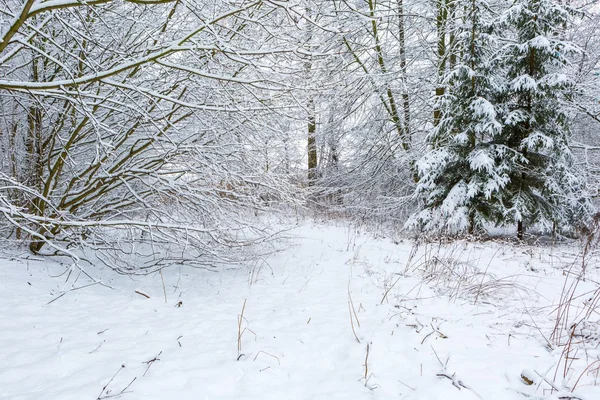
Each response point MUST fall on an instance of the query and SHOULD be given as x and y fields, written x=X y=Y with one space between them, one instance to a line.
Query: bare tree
x=131 y=128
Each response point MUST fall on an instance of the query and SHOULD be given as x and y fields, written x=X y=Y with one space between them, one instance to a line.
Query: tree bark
x=441 y=19
x=405 y=95
x=312 y=143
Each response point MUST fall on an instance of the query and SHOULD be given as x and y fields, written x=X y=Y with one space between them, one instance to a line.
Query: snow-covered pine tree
x=543 y=188
x=464 y=166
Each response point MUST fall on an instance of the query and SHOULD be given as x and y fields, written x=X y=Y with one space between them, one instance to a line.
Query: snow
x=481 y=159
x=524 y=83
x=459 y=321
x=537 y=139
x=539 y=42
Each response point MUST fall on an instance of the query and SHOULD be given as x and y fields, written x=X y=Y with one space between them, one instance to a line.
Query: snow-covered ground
x=338 y=315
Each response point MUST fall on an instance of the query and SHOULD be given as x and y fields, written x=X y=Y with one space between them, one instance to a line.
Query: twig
x=438 y=332
x=96 y=349
x=438 y=358
x=56 y=298
x=367 y=364
x=426 y=336
x=269 y=354
x=302 y=288
x=456 y=383
x=547 y=381
x=151 y=361
x=142 y=294
x=111 y=379
x=71 y=290
x=163 y=284
x=127 y=387
x=410 y=387
x=459 y=384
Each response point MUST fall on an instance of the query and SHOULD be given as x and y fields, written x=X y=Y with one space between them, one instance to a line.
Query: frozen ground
x=460 y=321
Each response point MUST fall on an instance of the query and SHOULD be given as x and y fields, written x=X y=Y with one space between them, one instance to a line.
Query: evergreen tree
x=464 y=170
x=543 y=187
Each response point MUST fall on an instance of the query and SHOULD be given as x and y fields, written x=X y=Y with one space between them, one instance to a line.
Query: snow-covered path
x=297 y=343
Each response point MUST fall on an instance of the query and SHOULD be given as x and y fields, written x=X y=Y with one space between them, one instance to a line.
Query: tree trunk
x=312 y=143
x=405 y=95
x=392 y=107
x=442 y=16
x=520 y=230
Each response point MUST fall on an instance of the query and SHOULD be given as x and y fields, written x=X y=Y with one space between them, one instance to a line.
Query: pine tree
x=464 y=170
x=543 y=187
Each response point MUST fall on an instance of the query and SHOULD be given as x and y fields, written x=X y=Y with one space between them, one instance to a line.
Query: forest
x=122 y=121
x=138 y=137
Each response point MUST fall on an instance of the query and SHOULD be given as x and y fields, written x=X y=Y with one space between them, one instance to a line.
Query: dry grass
x=577 y=317
x=352 y=313
x=453 y=270
x=241 y=331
